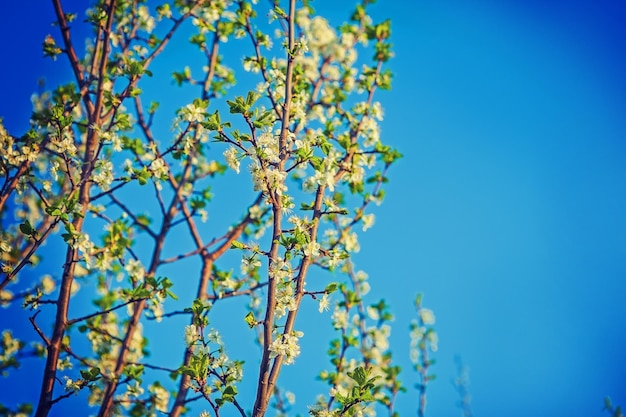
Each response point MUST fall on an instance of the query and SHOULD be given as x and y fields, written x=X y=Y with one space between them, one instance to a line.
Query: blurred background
x=508 y=210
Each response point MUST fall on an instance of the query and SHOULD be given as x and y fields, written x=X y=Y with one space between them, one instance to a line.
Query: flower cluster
x=286 y=345
x=99 y=177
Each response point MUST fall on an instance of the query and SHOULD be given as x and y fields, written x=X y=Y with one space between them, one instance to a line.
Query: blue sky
x=511 y=193
x=508 y=208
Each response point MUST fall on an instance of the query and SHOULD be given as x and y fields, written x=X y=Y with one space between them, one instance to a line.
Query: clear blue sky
x=508 y=210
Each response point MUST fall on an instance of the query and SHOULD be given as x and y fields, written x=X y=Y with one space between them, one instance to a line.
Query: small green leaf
x=237 y=245
x=331 y=288
x=250 y=319
x=27 y=228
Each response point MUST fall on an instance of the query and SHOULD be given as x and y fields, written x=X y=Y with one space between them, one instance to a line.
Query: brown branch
x=208 y=259
x=266 y=382
x=132 y=215
x=237 y=292
x=212 y=64
x=266 y=78
x=171 y=314
x=30 y=250
x=103 y=312
x=155 y=367
x=109 y=391
x=90 y=155
x=67 y=41
x=38 y=329
x=70 y=51
x=8 y=189
x=300 y=280
x=61 y=397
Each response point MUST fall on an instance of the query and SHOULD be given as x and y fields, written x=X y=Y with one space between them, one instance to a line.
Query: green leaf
x=90 y=375
x=317 y=162
x=213 y=122
x=197 y=203
x=237 y=245
x=154 y=105
x=50 y=48
x=251 y=98
x=27 y=228
x=188 y=370
x=135 y=69
x=326 y=147
x=238 y=106
x=331 y=288
x=142 y=175
x=230 y=390
x=249 y=318
x=359 y=375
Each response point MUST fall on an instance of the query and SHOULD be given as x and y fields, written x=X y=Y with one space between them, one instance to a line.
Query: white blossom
x=324 y=303
x=427 y=316
x=286 y=345
x=231 y=158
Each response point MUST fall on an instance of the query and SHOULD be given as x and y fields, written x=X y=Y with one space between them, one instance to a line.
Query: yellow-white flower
x=324 y=303
x=427 y=316
x=286 y=345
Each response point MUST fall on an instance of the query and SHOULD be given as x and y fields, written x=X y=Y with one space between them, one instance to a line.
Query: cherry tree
x=278 y=104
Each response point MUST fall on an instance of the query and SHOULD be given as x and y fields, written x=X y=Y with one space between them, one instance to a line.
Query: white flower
x=351 y=242
x=326 y=179
x=47 y=284
x=255 y=213
x=135 y=270
x=373 y=313
x=103 y=174
x=231 y=158
x=72 y=386
x=65 y=363
x=128 y=166
x=334 y=259
x=251 y=65
x=214 y=337
x=280 y=270
x=286 y=345
x=368 y=221
x=285 y=300
x=433 y=339
x=364 y=287
x=83 y=244
x=192 y=113
x=54 y=170
x=268 y=179
x=427 y=316
x=161 y=397
x=191 y=335
x=340 y=318
x=324 y=303
x=248 y=264
x=312 y=249
x=159 y=168
x=321 y=33
x=267 y=144
x=145 y=20
x=5 y=247
x=302 y=44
